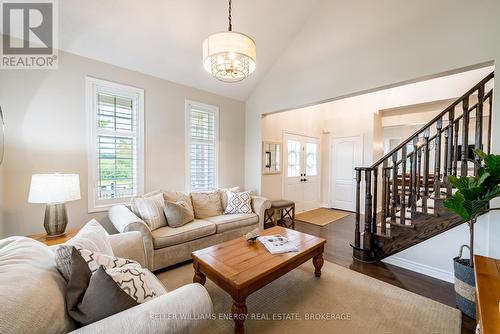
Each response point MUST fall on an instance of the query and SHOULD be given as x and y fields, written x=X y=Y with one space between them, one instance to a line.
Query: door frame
x=330 y=164
x=284 y=157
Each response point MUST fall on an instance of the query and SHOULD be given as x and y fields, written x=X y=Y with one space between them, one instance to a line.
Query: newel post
x=367 y=235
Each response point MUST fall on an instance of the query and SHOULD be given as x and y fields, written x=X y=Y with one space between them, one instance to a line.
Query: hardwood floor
x=337 y=250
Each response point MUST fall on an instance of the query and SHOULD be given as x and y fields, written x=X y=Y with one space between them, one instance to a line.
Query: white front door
x=301 y=174
x=346 y=154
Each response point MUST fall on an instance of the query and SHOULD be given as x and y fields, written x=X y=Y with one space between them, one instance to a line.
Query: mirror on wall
x=271 y=158
x=2 y=136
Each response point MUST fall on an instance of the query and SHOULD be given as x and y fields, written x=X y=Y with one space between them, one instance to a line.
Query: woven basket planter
x=465 y=285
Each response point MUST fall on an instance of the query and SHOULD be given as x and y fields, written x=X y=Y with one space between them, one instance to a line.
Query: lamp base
x=55 y=220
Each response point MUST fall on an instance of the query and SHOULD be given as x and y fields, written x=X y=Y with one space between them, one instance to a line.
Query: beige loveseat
x=166 y=246
x=32 y=294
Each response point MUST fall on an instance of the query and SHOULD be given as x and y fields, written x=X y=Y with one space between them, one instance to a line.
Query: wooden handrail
x=435 y=119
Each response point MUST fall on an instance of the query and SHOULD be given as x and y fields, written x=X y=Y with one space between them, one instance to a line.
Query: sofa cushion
x=206 y=204
x=178 y=213
x=238 y=202
x=93 y=296
x=28 y=279
x=169 y=236
x=92 y=237
x=178 y=196
x=230 y=222
x=150 y=209
x=223 y=195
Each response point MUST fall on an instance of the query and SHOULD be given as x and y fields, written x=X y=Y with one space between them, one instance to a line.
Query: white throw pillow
x=93 y=237
x=150 y=209
x=238 y=202
x=223 y=195
x=137 y=282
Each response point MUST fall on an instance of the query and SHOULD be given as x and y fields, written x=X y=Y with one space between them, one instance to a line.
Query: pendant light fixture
x=229 y=56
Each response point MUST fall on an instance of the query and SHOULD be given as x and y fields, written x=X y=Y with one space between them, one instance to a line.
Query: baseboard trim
x=421 y=268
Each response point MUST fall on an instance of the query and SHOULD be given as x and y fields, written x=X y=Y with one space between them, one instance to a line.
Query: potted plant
x=470 y=201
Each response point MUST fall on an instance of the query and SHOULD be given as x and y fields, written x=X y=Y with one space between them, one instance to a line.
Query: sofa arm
x=169 y=313
x=129 y=245
x=259 y=206
x=125 y=220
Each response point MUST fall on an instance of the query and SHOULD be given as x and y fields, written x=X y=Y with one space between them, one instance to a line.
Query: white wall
x=46 y=131
x=306 y=122
x=434 y=257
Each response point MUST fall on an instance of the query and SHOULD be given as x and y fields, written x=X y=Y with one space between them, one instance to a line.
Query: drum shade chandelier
x=229 y=56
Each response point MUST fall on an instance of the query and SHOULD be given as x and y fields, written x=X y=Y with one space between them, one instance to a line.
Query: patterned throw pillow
x=223 y=195
x=150 y=209
x=95 y=260
x=136 y=282
x=238 y=202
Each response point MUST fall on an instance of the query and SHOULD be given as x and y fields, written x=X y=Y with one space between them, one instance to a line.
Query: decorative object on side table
x=471 y=200
x=54 y=190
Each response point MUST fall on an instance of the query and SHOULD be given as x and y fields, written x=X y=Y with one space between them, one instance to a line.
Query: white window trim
x=187 y=123
x=94 y=85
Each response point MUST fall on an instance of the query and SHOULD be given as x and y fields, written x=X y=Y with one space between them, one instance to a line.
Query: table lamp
x=54 y=190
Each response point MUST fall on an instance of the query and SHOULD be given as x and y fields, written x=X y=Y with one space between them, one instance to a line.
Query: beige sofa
x=167 y=245
x=32 y=294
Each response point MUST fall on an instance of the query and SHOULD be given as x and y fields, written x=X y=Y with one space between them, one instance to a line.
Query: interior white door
x=346 y=154
x=301 y=175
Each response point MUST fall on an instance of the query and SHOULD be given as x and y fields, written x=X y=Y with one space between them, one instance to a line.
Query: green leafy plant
x=475 y=192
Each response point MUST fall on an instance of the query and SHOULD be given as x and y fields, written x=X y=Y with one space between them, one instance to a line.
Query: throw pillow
x=238 y=202
x=178 y=214
x=95 y=260
x=178 y=196
x=223 y=195
x=90 y=298
x=136 y=282
x=92 y=237
x=150 y=209
x=206 y=204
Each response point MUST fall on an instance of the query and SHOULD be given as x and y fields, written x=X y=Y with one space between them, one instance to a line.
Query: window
x=116 y=169
x=202 y=142
x=294 y=151
x=311 y=159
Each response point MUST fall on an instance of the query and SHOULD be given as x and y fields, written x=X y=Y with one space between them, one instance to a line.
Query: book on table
x=277 y=244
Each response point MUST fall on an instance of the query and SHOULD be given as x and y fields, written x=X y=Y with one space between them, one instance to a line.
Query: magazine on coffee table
x=277 y=244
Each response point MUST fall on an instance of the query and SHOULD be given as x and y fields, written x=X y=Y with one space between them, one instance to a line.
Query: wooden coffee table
x=241 y=268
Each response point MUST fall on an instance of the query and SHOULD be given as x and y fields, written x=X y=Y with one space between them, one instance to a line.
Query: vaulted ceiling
x=163 y=37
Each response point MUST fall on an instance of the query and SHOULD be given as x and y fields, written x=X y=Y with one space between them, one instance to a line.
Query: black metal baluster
x=478 y=144
x=394 y=201
x=385 y=181
x=437 y=159
x=426 y=170
x=375 y=195
x=402 y=210
x=465 y=137
x=456 y=128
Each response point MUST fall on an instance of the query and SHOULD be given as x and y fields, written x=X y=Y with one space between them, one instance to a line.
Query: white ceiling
x=163 y=37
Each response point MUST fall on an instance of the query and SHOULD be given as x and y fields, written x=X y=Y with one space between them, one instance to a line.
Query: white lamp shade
x=229 y=55
x=54 y=188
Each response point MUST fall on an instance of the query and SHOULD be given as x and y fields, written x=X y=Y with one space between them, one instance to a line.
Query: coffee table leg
x=239 y=311
x=318 y=264
x=199 y=277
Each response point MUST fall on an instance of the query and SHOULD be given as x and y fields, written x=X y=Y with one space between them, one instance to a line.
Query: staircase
x=404 y=191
